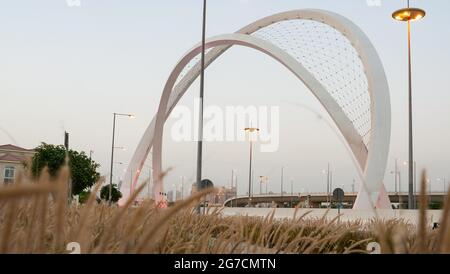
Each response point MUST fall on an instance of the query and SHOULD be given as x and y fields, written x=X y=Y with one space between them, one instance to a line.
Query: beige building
x=11 y=162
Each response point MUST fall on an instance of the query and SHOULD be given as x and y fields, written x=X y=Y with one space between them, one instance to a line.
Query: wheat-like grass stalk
x=36 y=217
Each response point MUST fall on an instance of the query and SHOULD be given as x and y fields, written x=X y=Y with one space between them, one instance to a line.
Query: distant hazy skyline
x=69 y=68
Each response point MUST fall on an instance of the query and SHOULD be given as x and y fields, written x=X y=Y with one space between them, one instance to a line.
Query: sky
x=66 y=67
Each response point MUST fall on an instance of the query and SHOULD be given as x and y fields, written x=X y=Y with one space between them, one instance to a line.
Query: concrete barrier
x=409 y=216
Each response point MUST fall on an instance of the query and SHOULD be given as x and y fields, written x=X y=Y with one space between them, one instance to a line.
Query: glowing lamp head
x=409 y=14
x=251 y=129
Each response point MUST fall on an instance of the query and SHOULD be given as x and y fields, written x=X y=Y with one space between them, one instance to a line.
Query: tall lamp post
x=444 y=182
x=263 y=180
x=250 y=130
x=182 y=187
x=200 y=117
x=328 y=173
x=282 y=180
x=113 y=148
x=407 y=15
x=406 y=163
x=260 y=184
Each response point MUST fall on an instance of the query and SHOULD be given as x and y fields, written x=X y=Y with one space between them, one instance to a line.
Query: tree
x=115 y=193
x=83 y=171
x=84 y=196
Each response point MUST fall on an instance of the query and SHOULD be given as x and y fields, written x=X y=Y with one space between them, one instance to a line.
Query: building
x=11 y=162
x=223 y=194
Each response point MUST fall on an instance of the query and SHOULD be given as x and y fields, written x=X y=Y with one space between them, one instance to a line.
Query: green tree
x=115 y=193
x=83 y=170
x=84 y=196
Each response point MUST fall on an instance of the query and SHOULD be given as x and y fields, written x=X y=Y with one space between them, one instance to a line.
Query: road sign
x=338 y=195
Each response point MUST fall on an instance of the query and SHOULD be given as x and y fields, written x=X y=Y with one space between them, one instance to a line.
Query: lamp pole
x=200 y=117
x=407 y=15
x=250 y=130
x=327 y=172
x=260 y=184
x=444 y=182
x=267 y=183
x=292 y=192
x=445 y=186
x=400 y=200
x=406 y=163
x=263 y=180
x=396 y=174
x=182 y=187
x=112 y=150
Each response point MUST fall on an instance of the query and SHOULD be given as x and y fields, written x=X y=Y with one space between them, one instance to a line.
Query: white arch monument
x=341 y=94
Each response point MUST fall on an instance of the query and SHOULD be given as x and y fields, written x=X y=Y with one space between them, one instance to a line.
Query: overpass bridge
x=316 y=200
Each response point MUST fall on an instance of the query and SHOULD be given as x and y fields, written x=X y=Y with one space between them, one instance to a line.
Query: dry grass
x=35 y=217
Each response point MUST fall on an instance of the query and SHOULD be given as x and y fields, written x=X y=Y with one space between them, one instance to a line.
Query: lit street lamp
x=112 y=150
x=407 y=15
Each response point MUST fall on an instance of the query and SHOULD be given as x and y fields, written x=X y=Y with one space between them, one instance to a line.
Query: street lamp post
x=182 y=187
x=428 y=181
x=406 y=163
x=292 y=191
x=263 y=180
x=444 y=182
x=200 y=118
x=267 y=183
x=328 y=173
x=409 y=14
x=250 y=130
x=260 y=184
x=282 y=178
x=400 y=200
x=396 y=174
x=292 y=187
x=234 y=180
x=112 y=149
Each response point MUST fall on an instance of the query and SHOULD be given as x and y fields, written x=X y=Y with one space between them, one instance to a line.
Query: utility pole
x=66 y=145
x=250 y=130
x=328 y=184
x=202 y=86
x=396 y=174
x=407 y=15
